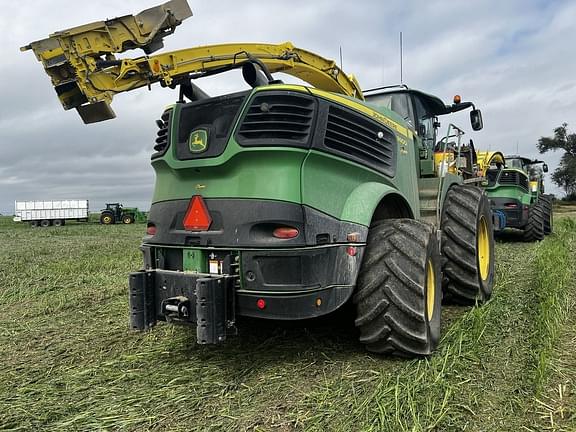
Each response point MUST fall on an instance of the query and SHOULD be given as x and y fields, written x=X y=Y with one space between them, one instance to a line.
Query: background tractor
x=516 y=189
x=115 y=212
x=288 y=201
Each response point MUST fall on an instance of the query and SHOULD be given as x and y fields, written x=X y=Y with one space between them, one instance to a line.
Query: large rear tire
x=398 y=297
x=534 y=230
x=106 y=218
x=548 y=214
x=467 y=245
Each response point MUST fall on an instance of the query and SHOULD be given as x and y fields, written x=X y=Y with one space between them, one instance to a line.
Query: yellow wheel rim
x=430 y=289
x=483 y=247
x=107 y=219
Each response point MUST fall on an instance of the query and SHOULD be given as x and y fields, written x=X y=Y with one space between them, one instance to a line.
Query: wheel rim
x=106 y=219
x=483 y=247
x=430 y=289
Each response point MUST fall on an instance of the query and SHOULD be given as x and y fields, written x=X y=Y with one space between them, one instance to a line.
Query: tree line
x=565 y=175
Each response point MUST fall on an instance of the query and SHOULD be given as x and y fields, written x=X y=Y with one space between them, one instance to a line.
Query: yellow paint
x=430 y=289
x=483 y=248
x=487 y=158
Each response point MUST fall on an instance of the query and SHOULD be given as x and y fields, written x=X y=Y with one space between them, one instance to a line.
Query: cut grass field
x=69 y=361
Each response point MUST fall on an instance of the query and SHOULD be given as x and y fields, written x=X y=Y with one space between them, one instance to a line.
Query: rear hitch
x=182 y=298
x=176 y=308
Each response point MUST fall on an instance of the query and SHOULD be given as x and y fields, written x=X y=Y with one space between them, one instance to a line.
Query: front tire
x=467 y=245
x=398 y=297
x=127 y=219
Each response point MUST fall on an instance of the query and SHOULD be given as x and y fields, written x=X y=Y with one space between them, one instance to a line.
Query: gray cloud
x=514 y=59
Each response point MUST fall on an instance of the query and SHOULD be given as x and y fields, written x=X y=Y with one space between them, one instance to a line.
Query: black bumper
x=289 y=284
x=516 y=214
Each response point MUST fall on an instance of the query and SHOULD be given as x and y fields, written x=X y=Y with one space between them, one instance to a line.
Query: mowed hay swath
x=70 y=362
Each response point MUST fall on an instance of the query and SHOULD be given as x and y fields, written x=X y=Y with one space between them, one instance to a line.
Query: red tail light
x=285 y=233
x=197 y=217
x=151 y=229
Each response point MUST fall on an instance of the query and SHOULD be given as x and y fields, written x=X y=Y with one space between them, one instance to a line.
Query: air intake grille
x=361 y=139
x=513 y=178
x=162 y=139
x=278 y=118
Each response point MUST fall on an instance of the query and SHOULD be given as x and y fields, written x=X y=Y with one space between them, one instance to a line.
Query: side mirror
x=545 y=168
x=476 y=120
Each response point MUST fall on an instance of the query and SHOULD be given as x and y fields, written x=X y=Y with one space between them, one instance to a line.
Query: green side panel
x=351 y=192
x=194 y=260
x=263 y=173
x=511 y=192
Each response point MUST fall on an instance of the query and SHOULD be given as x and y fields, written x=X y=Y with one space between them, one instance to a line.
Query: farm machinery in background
x=45 y=213
x=115 y=213
x=515 y=187
x=287 y=201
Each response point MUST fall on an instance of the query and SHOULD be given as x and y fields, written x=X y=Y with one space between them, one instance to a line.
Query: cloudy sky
x=514 y=59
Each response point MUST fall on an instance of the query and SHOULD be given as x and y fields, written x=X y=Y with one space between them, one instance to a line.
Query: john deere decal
x=198 y=140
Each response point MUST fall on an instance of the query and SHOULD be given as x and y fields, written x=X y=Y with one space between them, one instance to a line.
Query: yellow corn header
x=86 y=74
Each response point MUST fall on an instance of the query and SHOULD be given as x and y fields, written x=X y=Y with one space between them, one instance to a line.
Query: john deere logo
x=198 y=141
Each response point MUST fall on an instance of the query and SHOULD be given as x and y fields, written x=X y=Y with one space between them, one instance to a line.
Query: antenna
x=341 y=58
x=401 y=81
x=517 y=147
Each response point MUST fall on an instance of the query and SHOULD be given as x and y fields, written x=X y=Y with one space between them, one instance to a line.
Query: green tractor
x=516 y=190
x=285 y=201
x=115 y=212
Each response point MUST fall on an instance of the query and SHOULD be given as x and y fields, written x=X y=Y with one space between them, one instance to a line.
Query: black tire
x=107 y=218
x=534 y=229
x=34 y=223
x=57 y=222
x=548 y=214
x=467 y=245
x=128 y=219
x=399 y=296
x=44 y=223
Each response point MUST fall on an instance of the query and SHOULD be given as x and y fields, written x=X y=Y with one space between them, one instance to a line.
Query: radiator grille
x=513 y=178
x=361 y=139
x=277 y=119
x=162 y=134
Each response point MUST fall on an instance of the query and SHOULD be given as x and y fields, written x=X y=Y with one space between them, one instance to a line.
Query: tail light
x=151 y=229
x=197 y=217
x=285 y=232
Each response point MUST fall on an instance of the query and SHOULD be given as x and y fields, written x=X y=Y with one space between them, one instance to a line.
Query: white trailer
x=54 y=212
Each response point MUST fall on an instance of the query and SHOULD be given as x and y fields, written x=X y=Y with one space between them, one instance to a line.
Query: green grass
x=69 y=361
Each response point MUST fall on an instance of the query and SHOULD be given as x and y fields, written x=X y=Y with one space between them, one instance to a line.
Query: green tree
x=565 y=175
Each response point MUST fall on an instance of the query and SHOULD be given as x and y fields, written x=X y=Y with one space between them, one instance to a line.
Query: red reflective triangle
x=197 y=216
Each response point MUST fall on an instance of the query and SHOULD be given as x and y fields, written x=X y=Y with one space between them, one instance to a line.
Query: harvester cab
x=348 y=203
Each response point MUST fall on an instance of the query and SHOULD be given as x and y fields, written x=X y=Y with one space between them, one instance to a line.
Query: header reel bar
x=86 y=75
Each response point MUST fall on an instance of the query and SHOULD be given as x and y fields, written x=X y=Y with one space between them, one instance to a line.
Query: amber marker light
x=457 y=99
